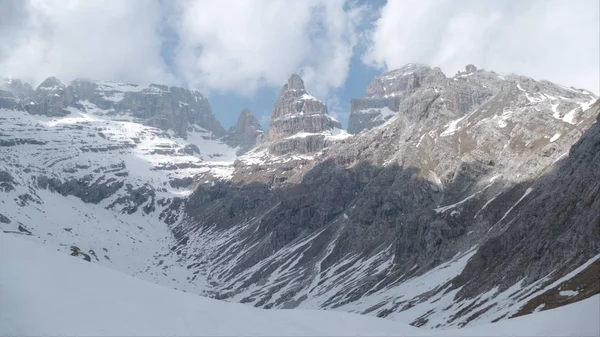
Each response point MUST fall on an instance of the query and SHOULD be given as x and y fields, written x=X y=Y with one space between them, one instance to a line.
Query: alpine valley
x=449 y=202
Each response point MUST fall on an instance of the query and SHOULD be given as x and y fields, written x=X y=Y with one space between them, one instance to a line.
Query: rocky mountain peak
x=295 y=82
x=295 y=110
x=419 y=93
x=245 y=132
x=13 y=93
x=51 y=98
x=51 y=83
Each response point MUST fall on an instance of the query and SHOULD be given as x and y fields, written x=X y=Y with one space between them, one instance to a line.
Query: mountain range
x=448 y=202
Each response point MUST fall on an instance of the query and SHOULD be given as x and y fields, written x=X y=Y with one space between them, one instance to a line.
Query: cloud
x=545 y=39
x=101 y=39
x=240 y=46
x=235 y=46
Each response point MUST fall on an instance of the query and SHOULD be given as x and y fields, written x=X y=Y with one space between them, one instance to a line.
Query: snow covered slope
x=101 y=185
x=47 y=293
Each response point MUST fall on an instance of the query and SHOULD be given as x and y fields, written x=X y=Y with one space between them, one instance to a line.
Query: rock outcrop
x=244 y=133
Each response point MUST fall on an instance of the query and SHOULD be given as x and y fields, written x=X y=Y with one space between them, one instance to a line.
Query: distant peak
x=295 y=82
x=50 y=82
x=470 y=68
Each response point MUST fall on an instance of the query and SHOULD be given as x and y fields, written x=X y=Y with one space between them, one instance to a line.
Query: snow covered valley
x=44 y=292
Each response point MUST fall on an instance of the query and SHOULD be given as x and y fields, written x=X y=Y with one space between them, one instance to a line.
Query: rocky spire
x=245 y=132
x=297 y=111
x=295 y=83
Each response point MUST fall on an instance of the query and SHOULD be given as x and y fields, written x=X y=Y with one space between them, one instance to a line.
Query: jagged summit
x=295 y=111
x=50 y=83
x=245 y=132
x=415 y=90
x=295 y=82
x=168 y=108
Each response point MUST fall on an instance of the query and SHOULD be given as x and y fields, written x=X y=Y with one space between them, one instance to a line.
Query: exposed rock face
x=556 y=224
x=51 y=98
x=245 y=132
x=366 y=224
x=386 y=92
x=411 y=90
x=156 y=105
x=296 y=111
x=299 y=123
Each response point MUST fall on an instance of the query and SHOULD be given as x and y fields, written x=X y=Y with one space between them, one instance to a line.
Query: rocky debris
x=244 y=133
x=297 y=111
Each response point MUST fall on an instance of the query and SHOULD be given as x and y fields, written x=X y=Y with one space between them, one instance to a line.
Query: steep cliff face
x=156 y=105
x=167 y=108
x=554 y=226
x=245 y=132
x=51 y=98
x=296 y=111
x=420 y=92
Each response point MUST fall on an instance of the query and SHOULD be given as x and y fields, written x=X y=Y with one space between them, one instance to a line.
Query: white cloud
x=546 y=39
x=229 y=46
x=242 y=45
x=102 y=39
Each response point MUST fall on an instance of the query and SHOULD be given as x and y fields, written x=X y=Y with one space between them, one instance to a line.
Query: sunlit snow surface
x=105 y=148
x=48 y=293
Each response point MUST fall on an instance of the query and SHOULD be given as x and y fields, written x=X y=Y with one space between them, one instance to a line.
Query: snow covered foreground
x=43 y=292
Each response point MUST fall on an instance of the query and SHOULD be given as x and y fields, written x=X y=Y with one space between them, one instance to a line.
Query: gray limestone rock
x=296 y=111
x=244 y=133
x=51 y=98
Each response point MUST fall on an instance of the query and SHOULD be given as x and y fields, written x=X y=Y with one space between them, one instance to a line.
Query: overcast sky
x=240 y=52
